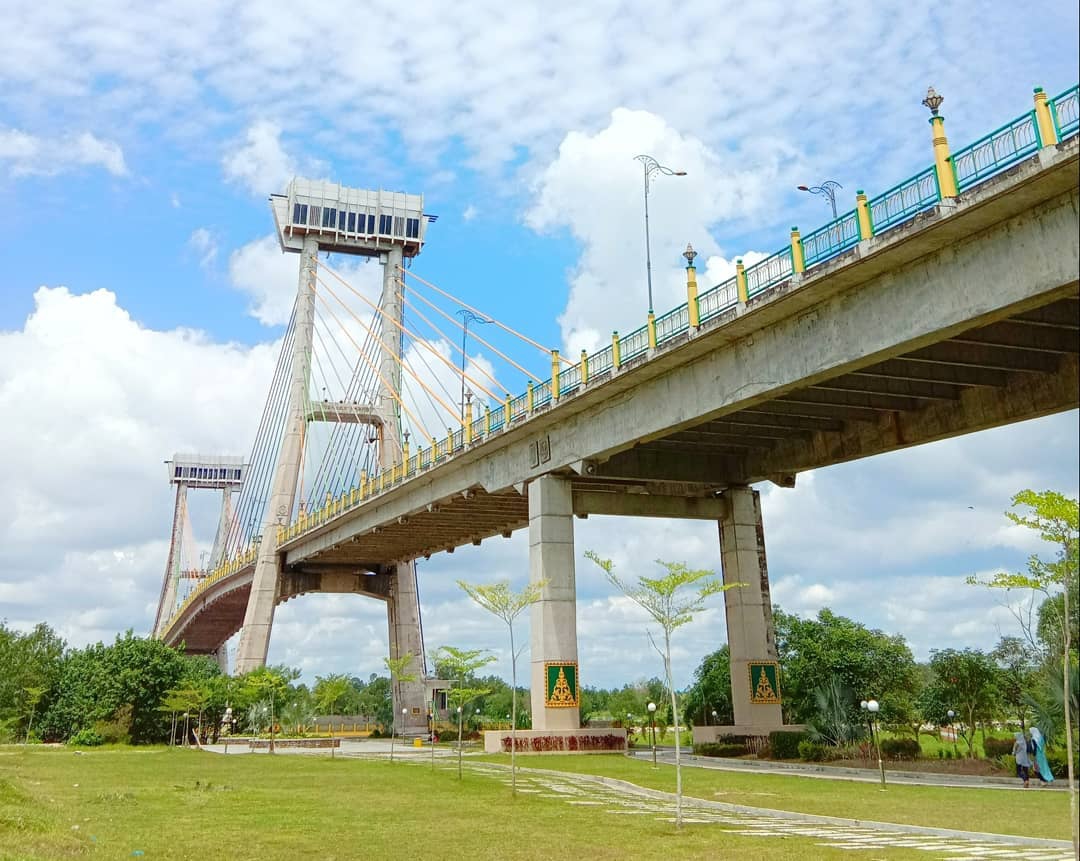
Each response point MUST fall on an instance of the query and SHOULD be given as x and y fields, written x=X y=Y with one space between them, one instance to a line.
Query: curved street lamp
x=827 y=190
x=467 y=317
x=652 y=167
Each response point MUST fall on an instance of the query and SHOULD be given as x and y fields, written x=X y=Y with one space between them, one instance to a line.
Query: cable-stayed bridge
x=945 y=305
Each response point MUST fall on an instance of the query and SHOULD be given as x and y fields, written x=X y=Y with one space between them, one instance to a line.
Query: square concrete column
x=403 y=621
x=751 y=636
x=554 y=616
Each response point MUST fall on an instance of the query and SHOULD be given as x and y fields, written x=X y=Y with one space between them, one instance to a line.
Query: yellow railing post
x=943 y=166
x=434 y=450
x=584 y=368
x=530 y=397
x=740 y=281
x=450 y=439
x=693 y=314
x=468 y=422
x=506 y=410
x=651 y=326
x=405 y=454
x=554 y=376
x=363 y=484
x=1047 y=132
x=616 y=358
x=487 y=420
x=862 y=208
x=798 y=259
x=382 y=480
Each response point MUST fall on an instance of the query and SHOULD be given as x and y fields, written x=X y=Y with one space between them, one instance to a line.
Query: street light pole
x=872 y=707
x=652 y=722
x=467 y=317
x=952 y=726
x=827 y=190
x=652 y=167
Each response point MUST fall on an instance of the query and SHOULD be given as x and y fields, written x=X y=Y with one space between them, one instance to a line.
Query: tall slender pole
x=464 y=338
x=648 y=251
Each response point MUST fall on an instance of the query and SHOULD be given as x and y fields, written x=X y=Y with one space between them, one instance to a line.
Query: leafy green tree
x=1016 y=676
x=336 y=695
x=711 y=690
x=500 y=600
x=966 y=679
x=30 y=668
x=671 y=601
x=268 y=683
x=873 y=665
x=459 y=666
x=376 y=700
x=1056 y=518
x=833 y=722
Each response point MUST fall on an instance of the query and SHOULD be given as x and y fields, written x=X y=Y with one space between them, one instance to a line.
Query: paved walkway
x=832 y=772
x=619 y=798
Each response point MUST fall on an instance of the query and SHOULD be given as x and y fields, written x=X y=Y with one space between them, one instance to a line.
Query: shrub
x=784 y=744
x=900 y=748
x=719 y=748
x=995 y=748
x=1058 y=762
x=813 y=751
x=86 y=738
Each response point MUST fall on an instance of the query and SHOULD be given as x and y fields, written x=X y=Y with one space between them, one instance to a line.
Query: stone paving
x=627 y=800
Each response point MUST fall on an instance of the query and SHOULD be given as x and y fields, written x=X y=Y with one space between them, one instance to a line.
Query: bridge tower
x=201 y=473
x=389 y=226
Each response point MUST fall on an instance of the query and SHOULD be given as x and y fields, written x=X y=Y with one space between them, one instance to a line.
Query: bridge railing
x=717 y=300
x=1065 y=110
x=971 y=165
x=832 y=239
x=996 y=151
x=774 y=269
x=903 y=201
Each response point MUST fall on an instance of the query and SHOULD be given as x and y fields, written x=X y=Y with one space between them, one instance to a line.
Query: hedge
x=784 y=744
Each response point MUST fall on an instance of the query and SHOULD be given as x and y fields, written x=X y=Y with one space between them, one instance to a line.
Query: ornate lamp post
x=952 y=726
x=652 y=722
x=652 y=167
x=714 y=717
x=827 y=190
x=872 y=707
x=185 y=729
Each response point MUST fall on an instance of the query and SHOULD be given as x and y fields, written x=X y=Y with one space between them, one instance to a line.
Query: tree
x=711 y=690
x=1056 y=518
x=396 y=667
x=31 y=666
x=335 y=694
x=270 y=682
x=499 y=600
x=459 y=666
x=966 y=679
x=873 y=665
x=1016 y=673
x=671 y=601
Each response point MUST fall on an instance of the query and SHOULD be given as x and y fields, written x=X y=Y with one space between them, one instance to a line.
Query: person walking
x=1023 y=761
x=1042 y=767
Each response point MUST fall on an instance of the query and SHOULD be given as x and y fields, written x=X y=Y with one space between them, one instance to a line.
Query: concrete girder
x=917 y=371
x=977 y=409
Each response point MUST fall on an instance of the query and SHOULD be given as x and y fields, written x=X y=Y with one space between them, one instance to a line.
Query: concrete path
x=619 y=798
x=832 y=772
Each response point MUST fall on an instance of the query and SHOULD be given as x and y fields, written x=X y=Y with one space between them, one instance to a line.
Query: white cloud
x=593 y=188
x=28 y=154
x=204 y=244
x=260 y=163
x=470 y=212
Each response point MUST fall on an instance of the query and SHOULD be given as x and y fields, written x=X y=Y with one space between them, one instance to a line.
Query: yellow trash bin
x=417 y=742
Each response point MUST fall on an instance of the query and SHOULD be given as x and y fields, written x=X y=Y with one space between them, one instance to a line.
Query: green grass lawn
x=179 y=804
x=1031 y=813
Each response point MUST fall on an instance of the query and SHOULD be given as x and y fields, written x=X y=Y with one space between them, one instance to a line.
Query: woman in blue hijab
x=1023 y=761
x=1042 y=767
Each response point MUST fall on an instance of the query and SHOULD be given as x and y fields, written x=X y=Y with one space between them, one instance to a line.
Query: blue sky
x=142 y=298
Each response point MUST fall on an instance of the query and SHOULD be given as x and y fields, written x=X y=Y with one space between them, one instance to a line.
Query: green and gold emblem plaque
x=560 y=685
x=764 y=682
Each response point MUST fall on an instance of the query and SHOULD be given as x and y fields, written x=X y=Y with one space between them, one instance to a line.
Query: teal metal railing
x=832 y=239
x=905 y=200
x=996 y=151
x=982 y=159
x=772 y=270
x=1065 y=109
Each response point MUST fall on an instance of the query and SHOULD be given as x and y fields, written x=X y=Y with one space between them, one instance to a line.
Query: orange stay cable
x=502 y=326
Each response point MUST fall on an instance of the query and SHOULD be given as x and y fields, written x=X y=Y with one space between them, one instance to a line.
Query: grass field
x=177 y=804
x=1031 y=813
